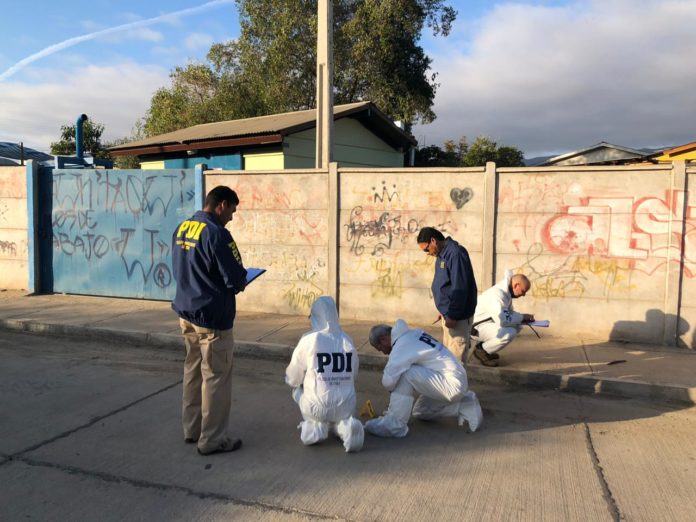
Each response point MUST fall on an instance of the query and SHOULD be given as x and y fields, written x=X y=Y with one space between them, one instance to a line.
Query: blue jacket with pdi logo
x=208 y=271
x=454 y=286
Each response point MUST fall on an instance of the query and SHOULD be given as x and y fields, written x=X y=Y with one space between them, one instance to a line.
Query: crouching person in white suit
x=322 y=372
x=419 y=366
x=496 y=323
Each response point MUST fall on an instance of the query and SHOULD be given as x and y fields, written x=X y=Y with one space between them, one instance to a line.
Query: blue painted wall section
x=112 y=229
x=34 y=279
x=213 y=161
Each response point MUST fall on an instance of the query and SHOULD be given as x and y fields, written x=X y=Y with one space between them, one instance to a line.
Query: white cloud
x=115 y=95
x=161 y=50
x=557 y=79
x=131 y=26
x=196 y=41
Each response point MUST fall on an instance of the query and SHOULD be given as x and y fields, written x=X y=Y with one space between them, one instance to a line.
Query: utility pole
x=324 y=84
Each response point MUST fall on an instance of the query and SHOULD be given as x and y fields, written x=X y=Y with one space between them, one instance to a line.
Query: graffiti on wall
x=461 y=197
x=380 y=232
x=598 y=241
x=115 y=228
x=8 y=248
x=635 y=229
x=572 y=275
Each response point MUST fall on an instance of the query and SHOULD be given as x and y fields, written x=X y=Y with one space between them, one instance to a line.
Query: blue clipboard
x=253 y=273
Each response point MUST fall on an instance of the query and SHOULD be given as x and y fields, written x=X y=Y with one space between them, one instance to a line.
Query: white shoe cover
x=429 y=409
x=386 y=426
x=351 y=433
x=313 y=431
x=394 y=423
x=470 y=411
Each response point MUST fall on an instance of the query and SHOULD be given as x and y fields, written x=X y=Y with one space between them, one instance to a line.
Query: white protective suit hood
x=504 y=283
x=324 y=316
x=400 y=328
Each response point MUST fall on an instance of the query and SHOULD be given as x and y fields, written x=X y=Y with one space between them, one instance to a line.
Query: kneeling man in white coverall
x=322 y=372
x=419 y=366
x=496 y=323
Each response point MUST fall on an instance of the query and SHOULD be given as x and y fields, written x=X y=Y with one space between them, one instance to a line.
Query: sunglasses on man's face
x=426 y=248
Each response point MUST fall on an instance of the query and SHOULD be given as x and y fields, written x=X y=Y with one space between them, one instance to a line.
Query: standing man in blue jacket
x=454 y=289
x=208 y=271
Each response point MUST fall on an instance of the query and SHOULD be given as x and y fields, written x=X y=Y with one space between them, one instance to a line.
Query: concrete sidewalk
x=580 y=365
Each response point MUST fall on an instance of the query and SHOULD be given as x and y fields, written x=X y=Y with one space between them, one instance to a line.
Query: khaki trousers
x=207 y=384
x=458 y=339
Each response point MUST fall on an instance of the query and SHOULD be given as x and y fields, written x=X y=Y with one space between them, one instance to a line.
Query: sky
x=545 y=76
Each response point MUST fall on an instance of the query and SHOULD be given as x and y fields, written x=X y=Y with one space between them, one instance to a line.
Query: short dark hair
x=427 y=233
x=220 y=194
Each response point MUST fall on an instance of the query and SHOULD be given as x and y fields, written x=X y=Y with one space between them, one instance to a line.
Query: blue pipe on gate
x=79 y=138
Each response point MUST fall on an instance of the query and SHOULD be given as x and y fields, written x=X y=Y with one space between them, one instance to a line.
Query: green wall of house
x=354 y=146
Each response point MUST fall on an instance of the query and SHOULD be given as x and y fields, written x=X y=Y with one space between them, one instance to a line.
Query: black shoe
x=226 y=446
x=491 y=356
x=190 y=440
x=483 y=356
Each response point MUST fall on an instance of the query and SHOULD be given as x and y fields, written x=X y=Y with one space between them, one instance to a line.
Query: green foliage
x=128 y=162
x=271 y=67
x=461 y=154
x=91 y=133
x=124 y=162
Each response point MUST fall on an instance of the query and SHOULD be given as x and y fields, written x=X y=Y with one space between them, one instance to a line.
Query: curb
x=586 y=385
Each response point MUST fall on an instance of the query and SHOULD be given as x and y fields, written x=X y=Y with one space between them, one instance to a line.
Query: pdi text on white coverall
x=420 y=366
x=322 y=372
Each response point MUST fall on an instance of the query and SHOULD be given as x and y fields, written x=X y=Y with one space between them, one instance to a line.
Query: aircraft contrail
x=52 y=49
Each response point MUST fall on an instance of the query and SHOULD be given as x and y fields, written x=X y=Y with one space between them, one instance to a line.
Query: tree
x=485 y=149
x=271 y=67
x=461 y=154
x=124 y=162
x=91 y=134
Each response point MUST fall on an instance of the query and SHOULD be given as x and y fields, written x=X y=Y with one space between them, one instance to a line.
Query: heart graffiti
x=461 y=197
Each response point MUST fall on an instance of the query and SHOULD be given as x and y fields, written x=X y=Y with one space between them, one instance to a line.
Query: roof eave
x=265 y=139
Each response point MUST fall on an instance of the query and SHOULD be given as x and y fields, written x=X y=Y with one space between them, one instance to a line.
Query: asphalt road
x=92 y=432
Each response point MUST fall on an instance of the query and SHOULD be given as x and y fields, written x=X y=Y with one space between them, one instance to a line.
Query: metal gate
x=108 y=232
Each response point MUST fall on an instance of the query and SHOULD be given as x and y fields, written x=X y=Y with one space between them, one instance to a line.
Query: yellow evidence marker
x=367 y=410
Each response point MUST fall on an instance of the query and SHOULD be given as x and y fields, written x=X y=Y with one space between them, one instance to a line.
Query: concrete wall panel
x=282 y=226
x=13 y=213
x=687 y=327
x=13 y=182
x=391 y=286
x=297 y=190
x=14 y=274
x=13 y=244
x=457 y=192
x=604 y=237
x=357 y=303
x=588 y=319
x=383 y=273
x=290 y=296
